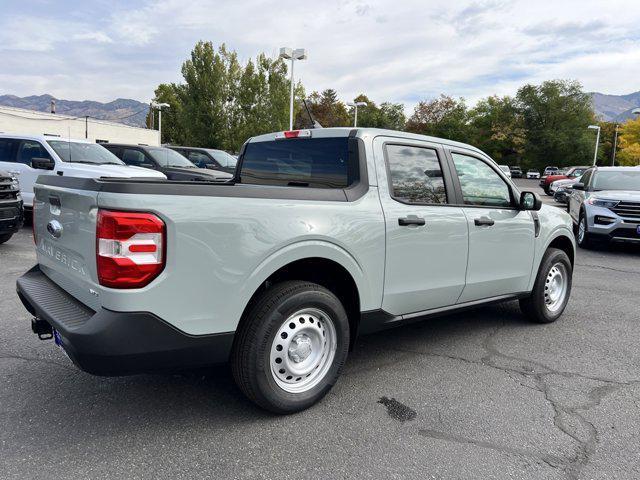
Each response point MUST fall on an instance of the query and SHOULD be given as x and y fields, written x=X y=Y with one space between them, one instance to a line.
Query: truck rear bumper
x=117 y=343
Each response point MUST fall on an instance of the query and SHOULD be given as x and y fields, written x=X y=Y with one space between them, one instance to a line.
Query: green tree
x=443 y=117
x=388 y=115
x=555 y=117
x=495 y=126
x=221 y=103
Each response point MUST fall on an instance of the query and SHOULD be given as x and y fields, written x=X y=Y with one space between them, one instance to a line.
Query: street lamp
x=356 y=105
x=160 y=106
x=597 y=128
x=291 y=54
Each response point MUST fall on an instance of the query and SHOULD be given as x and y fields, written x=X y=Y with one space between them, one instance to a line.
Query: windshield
x=169 y=158
x=577 y=172
x=617 y=180
x=223 y=158
x=77 y=152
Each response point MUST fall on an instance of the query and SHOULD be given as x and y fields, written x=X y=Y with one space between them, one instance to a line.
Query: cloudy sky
x=392 y=50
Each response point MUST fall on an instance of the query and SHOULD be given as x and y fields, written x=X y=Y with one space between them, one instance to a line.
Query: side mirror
x=42 y=163
x=578 y=186
x=530 y=201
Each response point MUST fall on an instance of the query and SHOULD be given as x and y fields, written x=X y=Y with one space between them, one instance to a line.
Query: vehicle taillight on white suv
x=130 y=248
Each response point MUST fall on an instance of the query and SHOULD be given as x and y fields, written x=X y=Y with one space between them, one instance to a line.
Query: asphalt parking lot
x=478 y=395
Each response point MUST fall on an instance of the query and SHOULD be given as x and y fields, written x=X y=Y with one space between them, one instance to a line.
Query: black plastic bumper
x=11 y=217
x=117 y=343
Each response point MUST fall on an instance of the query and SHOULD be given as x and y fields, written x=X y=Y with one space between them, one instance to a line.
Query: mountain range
x=122 y=110
x=615 y=108
x=612 y=108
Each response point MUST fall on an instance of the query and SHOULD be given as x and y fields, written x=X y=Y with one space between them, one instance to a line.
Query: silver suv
x=605 y=205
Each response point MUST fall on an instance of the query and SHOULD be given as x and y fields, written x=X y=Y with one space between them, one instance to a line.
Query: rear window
x=301 y=162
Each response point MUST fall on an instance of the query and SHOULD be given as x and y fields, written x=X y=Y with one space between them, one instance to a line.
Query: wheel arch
x=319 y=262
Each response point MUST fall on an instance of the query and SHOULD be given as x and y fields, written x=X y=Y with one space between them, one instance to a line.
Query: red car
x=573 y=172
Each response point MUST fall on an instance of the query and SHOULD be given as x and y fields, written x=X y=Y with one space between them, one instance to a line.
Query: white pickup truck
x=322 y=236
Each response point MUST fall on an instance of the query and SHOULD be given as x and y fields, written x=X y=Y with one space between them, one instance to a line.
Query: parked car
x=550 y=171
x=516 y=171
x=208 y=158
x=27 y=156
x=11 y=211
x=605 y=205
x=561 y=189
x=506 y=170
x=325 y=235
x=532 y=173
x=164 y=160
x=573 y=172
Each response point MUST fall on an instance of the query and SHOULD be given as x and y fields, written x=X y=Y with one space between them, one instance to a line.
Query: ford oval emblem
x=54 y=227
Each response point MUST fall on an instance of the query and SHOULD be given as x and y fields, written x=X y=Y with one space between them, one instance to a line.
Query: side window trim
x=460 y=198
x=444 y=167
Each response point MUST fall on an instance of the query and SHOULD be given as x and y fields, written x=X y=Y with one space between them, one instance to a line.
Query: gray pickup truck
x=323 y=235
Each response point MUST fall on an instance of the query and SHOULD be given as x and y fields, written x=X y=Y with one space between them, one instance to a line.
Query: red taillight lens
x=129 y=248
x=291 y=134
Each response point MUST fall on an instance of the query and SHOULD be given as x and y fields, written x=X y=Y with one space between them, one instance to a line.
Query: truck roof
x=373 y=132
x=42 y=138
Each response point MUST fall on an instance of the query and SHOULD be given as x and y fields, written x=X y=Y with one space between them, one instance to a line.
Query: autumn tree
x=328 y=110
x=387 y=115
x=443 y=117
x=630 y=143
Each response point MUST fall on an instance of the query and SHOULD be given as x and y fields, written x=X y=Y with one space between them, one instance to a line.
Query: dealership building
x=31 y=122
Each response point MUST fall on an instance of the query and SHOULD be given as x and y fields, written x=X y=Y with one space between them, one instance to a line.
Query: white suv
x=27 y=156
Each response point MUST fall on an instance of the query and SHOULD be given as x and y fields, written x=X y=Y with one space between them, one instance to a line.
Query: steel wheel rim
x=555 y=287
x=303 y=350
x=582 y=228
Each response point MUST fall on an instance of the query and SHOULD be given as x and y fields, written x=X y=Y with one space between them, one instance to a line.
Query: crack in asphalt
x=607 y=268
x=37 y=360
x=550 y=460
x=586 y=445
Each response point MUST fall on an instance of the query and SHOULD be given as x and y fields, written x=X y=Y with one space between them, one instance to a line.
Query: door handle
x=410 y=220
x=483 y=221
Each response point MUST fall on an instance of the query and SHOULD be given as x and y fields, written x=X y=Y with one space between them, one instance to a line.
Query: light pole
x=597 y=128
x=293 y=55
x=159 y=106
x=355 y=105
x=615 y=146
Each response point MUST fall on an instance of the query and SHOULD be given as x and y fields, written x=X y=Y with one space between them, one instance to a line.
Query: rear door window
x=133 y=157
x=301 y=162
x=415 y=175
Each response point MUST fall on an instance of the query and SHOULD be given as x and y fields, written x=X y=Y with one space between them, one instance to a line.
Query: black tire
x=535 y=306
x=585 y=241
x=250 y=357
x=5 y=238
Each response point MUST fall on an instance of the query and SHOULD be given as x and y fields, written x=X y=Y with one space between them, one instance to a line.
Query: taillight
x=130 y=248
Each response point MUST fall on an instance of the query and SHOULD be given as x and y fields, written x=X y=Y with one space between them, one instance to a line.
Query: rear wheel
x=5 y=238
x=551 y=290
x=291 y=346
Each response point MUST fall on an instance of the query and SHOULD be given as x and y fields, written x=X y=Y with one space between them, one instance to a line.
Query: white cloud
x=390 y=50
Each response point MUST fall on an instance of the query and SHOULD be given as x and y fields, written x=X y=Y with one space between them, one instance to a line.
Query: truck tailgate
x=65 y=235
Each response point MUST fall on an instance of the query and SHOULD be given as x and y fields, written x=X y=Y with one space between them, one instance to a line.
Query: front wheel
x=582 y=236
x=551 y=289
x=291 y=346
